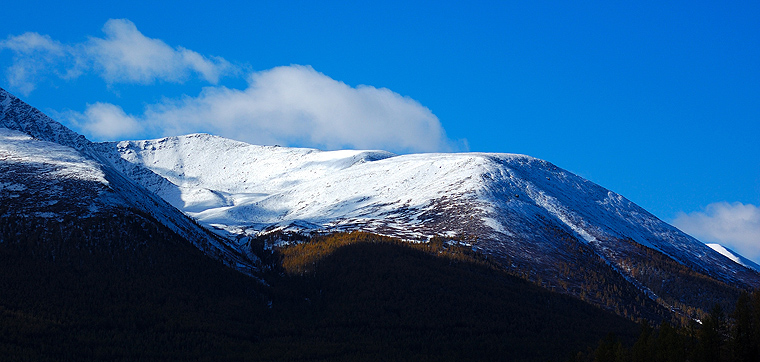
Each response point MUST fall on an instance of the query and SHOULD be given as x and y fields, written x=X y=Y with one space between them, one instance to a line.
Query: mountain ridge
x=527 y=214
x=121 y=191
x=334 y=191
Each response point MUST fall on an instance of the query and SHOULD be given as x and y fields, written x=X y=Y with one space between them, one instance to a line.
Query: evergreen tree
x=755 y=302
x=711 y=335
x=743 y=333
x=671 y=346
x=610 y=350
x=643 y=349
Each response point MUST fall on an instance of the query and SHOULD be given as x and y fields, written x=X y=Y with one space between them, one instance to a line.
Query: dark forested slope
x=372 y=300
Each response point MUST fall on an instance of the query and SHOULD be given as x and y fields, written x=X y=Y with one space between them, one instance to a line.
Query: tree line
x=719 y=337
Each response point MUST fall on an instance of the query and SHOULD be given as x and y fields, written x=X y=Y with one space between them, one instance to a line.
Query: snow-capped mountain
x=509 y=206
x=736 y=257
x=51 y=172
x=529 y=215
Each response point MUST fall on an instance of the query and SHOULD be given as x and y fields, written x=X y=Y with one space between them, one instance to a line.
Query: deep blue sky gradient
x=658 y=102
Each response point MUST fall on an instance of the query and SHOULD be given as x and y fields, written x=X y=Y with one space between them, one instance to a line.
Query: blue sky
x=658 y=102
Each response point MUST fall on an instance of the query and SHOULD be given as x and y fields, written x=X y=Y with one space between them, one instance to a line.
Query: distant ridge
x=736 y=257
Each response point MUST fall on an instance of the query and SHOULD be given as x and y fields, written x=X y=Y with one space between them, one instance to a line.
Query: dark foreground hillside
x=381 y=300
x=117 y=287
x=372 y=300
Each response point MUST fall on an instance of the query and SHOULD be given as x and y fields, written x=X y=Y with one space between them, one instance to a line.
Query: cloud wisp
x=734 y=225
x=34 y=56
x=289 y=105
x=104 y=121
x=123 y=55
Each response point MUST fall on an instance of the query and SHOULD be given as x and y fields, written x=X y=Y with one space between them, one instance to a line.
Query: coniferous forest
x=721 y=336
x=150 y=296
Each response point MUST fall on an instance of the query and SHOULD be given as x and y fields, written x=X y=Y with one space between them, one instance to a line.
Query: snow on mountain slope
x=601 y=217
x=531 y=216
x=56 y=166
x=225 y=182
x=509 y=206
x=209 y=179
x=62 y=161
x=736 y=257
x=45 y=179
x=19 y=116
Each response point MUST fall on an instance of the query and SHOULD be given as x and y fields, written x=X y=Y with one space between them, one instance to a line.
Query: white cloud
x=735 y=225
x=29 y=43
x=34 y=55
x=291 y=105
x=296 y=105
x=124 y=55
x=105 y=121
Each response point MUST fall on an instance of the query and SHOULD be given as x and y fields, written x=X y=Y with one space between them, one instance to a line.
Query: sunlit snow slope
x=50 y=172
x=509 y=206
x=48 y=180
x=728 y=253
